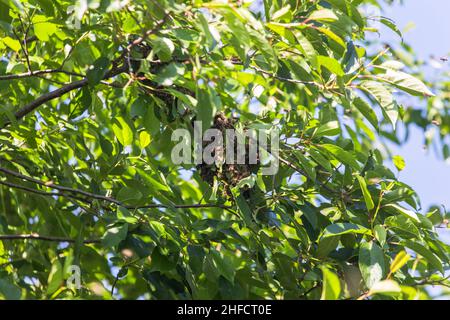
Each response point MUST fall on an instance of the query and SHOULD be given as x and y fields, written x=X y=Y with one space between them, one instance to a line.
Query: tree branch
x=79 y=194
x=35 y=236
x=58 y=93
x=81 y=83
x=272 y=75
x=37 y=73
x=40 y=192
x=49 y=96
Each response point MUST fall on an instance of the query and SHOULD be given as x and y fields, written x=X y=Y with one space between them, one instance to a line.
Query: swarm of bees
x=228 y=174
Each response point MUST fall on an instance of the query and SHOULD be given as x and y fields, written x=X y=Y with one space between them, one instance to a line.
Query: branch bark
x=37 y=73
x=87 y=196
x=35 y=236
x=81 y=83
x=58 y=93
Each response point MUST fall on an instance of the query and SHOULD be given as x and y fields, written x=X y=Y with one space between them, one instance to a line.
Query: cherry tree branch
x=35 y=236
x=80 y=83
x=37 y=73
x=87 y=196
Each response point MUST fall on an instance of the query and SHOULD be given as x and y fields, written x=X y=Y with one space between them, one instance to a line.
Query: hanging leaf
x=343 y=156
x=399 y=261
x=144 y=139
x=399 y=162
x=384 y=98
x=426 y=253
x=343 y=228
x=114 y=235
x=331 y=288
x=371 y=263
x=367 y=111
x=367 y=197
x=406 y=82
x=123 y=132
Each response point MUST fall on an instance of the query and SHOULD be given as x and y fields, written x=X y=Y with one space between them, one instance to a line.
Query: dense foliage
x=91 y=92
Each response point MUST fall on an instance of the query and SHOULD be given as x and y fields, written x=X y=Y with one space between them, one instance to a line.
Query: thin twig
x=272 y=75
x=35 y=236
x=23 y=44
x=36 y=73
x=81 y=83
x=76 y=193
x=40 y=192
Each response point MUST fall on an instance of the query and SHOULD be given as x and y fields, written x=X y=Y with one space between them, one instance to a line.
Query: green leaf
x=392 y=64
x=285 y=12
x=4 y=258
x=9 y=290
x=399 y=163
x=371 y=263
x=391 y=25
x=343 y=228
x=224 y=265
x=306 y=47
x=169 y=74
x=434 y=216
x=386 y=287
x=384 y=98
x=114 y=235
x=324 y=15
x=367 y=197
x=163 y=48
x=306 y=165
x=331 y=287
x=158 y=228
x=12 y=43
x=161 y=262
x=55 y=277
x=144 y=139
x=405 y=212
x=403 y=224
x=343 y=156
x=122 y=131
x=351 y=59
x=380 y=234
x=266 y=49
x=331 y=128
x=245 y=210
x=126 y=194
x=43 y=29
x=123 y=214
x=98 y=71
x=331 y=64
x=366 y=111
x=327 y=245
x=283 y=31
x=406 y=82
x=320 y=159
x=208 y=105
x=333 y=36
x=426 y=253
x=399 y=261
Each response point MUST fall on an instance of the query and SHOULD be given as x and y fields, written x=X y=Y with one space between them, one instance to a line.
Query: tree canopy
x=91 y=93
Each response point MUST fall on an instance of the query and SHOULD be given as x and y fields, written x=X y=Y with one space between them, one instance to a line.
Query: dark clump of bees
x=228 y=175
